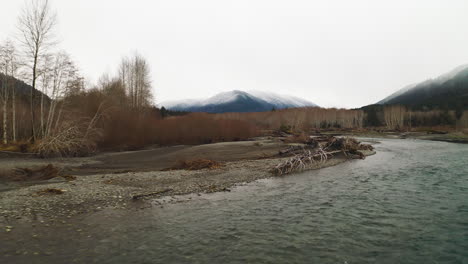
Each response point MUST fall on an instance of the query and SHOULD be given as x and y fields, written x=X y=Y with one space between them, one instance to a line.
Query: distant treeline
x=301 y=118
x=400 y=117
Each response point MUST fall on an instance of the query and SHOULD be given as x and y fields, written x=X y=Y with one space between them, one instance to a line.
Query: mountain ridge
x=238 y=101
x=447 y=91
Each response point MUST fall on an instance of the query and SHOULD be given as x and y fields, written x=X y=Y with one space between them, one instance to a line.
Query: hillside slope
x=448 y=91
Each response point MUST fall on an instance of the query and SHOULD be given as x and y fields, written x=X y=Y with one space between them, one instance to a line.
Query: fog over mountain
x=448 y=91
x=238 y=101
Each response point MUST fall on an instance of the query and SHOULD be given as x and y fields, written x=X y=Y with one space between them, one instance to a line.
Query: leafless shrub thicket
x=301 y=119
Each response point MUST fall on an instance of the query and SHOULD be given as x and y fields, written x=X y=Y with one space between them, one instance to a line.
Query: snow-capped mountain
x=238 y=101
x=447 y=88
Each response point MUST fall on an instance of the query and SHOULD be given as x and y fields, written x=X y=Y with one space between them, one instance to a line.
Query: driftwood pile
x=37 y=173
x=318 y=150
x=31 y=174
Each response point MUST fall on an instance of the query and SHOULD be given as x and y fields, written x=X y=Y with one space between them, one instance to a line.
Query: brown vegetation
x=197 y=164
x=300 y=119
x=201 y=128
x=301 y=138
x=50 y=191
x=31 y=174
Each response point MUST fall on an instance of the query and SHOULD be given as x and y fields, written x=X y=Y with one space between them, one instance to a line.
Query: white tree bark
x=134 y=74
x=36 y=26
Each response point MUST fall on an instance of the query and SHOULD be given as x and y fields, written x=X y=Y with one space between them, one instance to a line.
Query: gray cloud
x=334 y=53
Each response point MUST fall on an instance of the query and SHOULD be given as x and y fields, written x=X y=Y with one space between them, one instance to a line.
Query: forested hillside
x=447 y=92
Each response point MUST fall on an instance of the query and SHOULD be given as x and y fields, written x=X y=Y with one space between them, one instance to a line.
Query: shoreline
x=447 y=137
x=124 y=190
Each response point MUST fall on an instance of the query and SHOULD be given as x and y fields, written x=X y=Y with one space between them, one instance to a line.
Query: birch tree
x=8 y=67
x=58 y=78
x=36 y=25
x=134 y=73
x=4 y=91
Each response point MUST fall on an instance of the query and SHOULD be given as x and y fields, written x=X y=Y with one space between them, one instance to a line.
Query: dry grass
x=68 y=177
x=50 y=191
x=196 y=164
x=21 y=147
x=299 y=138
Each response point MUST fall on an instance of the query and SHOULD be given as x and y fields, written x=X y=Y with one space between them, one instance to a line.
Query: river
x=406 y=204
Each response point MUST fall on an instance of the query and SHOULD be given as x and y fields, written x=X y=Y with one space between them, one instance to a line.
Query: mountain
x=447 y=91
x=22 y=90
x=238 y=101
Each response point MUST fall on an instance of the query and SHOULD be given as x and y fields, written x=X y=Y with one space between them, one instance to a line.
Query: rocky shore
x=57 y=199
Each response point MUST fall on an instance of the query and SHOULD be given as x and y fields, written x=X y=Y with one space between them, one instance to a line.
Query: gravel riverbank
x=125 y=180
x=95 y=192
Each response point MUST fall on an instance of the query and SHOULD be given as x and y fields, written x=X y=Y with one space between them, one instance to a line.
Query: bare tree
x=4 y=65
x=394 y=116
x=57 y=80
x=36 y=25
x=134 y=73
x=8 y=67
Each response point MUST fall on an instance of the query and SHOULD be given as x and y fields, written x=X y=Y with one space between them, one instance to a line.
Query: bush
x=201 y=129
x=285 y=129
x=70 y=140
x=197 y=164
x=127 y=130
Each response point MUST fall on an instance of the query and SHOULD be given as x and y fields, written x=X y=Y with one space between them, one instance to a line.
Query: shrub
x=197 y=164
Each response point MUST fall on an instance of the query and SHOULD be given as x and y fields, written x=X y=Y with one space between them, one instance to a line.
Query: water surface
x=406 y=204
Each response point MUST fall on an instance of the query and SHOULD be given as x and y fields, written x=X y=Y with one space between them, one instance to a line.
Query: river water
x=406 y=204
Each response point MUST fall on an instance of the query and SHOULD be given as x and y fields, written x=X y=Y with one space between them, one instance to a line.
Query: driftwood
x=42 y=173
x=294 y=150
x=303 y=161
x=303 y=157
x=139 y=196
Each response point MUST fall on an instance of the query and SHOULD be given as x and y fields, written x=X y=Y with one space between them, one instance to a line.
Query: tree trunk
x=33 y=131
x=13 y=120
x=42 y=114
x=5 y=138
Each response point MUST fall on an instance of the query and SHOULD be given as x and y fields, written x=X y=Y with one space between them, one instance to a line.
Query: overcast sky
x=333 y=52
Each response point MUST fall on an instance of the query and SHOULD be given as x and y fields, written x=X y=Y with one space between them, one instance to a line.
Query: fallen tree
x=324 y=148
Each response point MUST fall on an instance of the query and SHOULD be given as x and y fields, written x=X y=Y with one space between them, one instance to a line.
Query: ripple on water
x=406 y=204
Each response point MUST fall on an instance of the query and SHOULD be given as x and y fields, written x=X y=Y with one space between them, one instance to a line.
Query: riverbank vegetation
x=48 y=108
